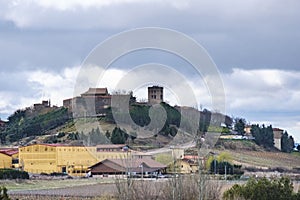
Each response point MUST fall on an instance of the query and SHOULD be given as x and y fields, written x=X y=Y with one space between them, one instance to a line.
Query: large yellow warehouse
x=8 y=158
x=73 y=160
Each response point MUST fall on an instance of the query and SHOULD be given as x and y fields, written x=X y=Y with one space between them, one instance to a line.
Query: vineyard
x=263 y=159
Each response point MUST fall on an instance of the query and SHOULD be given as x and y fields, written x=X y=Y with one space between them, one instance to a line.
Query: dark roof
x=155 y=86
x=123 y=165
x=96 y=91
x=277 y=129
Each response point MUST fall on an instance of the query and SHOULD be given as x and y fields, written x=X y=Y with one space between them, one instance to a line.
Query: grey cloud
x=236 y=34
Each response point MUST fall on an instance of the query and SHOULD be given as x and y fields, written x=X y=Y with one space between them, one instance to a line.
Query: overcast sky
x=255 y=45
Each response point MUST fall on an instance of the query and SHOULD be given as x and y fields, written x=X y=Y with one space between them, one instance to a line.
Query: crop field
x=266 y=159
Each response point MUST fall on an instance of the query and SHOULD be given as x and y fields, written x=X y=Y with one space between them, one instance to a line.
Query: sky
x=254 y=44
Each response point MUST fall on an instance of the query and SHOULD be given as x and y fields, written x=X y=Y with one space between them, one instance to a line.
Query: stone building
x=155 y=95
x=277 y=137
x=90 y=103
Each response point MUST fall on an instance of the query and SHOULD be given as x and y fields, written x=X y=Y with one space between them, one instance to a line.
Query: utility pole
x=201 y=181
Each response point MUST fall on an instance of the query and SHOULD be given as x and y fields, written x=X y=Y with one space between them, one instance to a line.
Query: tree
x=133 y=136
x=239 y=125
x=107 y=134
x=261 y=189
x=118 y=136
x=264 y=136
x=205 y=118
x=287 y=143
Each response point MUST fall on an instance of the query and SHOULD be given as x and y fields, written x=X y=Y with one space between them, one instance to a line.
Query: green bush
x=13 y=174
x=263 y=189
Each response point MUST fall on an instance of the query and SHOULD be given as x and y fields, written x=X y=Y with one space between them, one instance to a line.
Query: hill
x=42 y=123
x=32 y=122
x=248 y=154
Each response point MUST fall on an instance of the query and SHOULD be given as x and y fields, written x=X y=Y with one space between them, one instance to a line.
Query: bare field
x=32 y=185
x=96 y=191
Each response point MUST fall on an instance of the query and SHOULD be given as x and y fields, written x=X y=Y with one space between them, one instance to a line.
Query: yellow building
x=189 y=164
x=73 y=160
x=8 y=158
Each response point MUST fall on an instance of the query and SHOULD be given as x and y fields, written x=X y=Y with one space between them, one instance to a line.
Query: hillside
x=32 y=122
x=56 y=125
x=249 y=154
x=42 y=123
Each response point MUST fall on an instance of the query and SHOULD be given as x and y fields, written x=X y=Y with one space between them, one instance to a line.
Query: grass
x=50 y=184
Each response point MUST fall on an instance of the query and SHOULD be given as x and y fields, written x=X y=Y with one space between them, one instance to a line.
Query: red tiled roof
x=9 y=152
x=56 y=145
x=51 y=145
x=110 y=146
x=277 y=129
x=189 y=157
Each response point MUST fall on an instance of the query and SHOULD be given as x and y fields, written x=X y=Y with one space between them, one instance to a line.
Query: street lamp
x=141 y=166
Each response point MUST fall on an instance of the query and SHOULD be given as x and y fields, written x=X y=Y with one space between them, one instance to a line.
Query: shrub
x=13 y=174
x=279 y=189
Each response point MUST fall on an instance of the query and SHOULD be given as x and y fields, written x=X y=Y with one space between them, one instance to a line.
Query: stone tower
x=155 y=95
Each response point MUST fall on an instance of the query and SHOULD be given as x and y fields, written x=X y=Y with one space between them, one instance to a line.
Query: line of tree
x=263 y=135
x=21 y=124
x=239 y=125
x=287 y=143
x=140 y=115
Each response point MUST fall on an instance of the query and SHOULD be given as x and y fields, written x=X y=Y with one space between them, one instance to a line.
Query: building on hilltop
x=40 y=106
x=155 y=95
x=90 y=103
x=94 y=102
x=277 y=137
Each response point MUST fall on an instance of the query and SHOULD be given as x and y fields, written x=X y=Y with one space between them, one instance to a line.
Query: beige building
x=277 y=137
x=187 y=164
x=155 y=95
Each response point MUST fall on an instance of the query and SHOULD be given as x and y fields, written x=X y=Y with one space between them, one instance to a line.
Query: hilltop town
x=48 y=139
x=91 y=136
